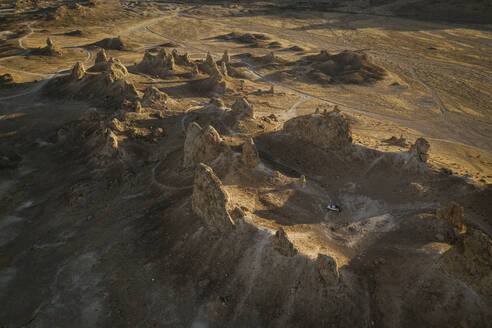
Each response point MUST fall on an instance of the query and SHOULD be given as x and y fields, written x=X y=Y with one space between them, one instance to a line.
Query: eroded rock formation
x=110 y=86
x=328 y=269
x=282 y=244
x=329 y=130
x=153 y=97
x=453 y=213
x=160 y=64
x=202 y=145
x=420 y=150
x=242 y=108
x=249 y=154
x=210 y=200
x=78 y=71
x=470 y=260
x=51 y=49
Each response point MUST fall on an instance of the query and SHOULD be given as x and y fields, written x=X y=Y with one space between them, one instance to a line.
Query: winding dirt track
x=412 y=124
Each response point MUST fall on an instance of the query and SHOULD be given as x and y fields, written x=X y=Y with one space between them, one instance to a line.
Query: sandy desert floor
x=108 y=219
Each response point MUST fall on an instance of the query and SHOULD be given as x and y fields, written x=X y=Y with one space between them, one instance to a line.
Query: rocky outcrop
x=226 y=58
x=242 y=108
x=420 y=150
x=100 y=61
x=78 y=71
x=183 y=60
x=208 y=66
x=110 y=86
x=470 y=261
x=215 y=84
x=223 y=69
x=328 y=269
x=282 y=244
x=210 y=200
x=51 y=49
x=153 y=97
x=195 y=72
x=110 y=147
x=6 y=79
x=249 y=154
x=453 y=213
x=329 y=130
x=202 y=145
x=160 y=64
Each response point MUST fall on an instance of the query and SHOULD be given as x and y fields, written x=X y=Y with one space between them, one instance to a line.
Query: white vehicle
x=334 y=208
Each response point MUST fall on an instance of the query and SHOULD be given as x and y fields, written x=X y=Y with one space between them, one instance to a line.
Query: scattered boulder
x=282 y=244
x=329 y=130
x=249 y=155
x=242 y=108
x=210 y=200
x=202 y=145
x=453 y=213
x=328 y=269
x=420 y=150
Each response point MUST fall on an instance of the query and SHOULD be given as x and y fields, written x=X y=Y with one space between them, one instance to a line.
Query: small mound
x=113 y=44
x=275 y=45
x=256 y=40
x=347 y=66
x=74 y=33
x=296 y=49
x=169 y=45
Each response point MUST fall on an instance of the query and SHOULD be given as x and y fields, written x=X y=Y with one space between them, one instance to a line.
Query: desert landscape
x=245 y=164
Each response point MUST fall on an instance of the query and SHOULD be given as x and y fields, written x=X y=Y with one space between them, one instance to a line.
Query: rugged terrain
x=170 y=164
